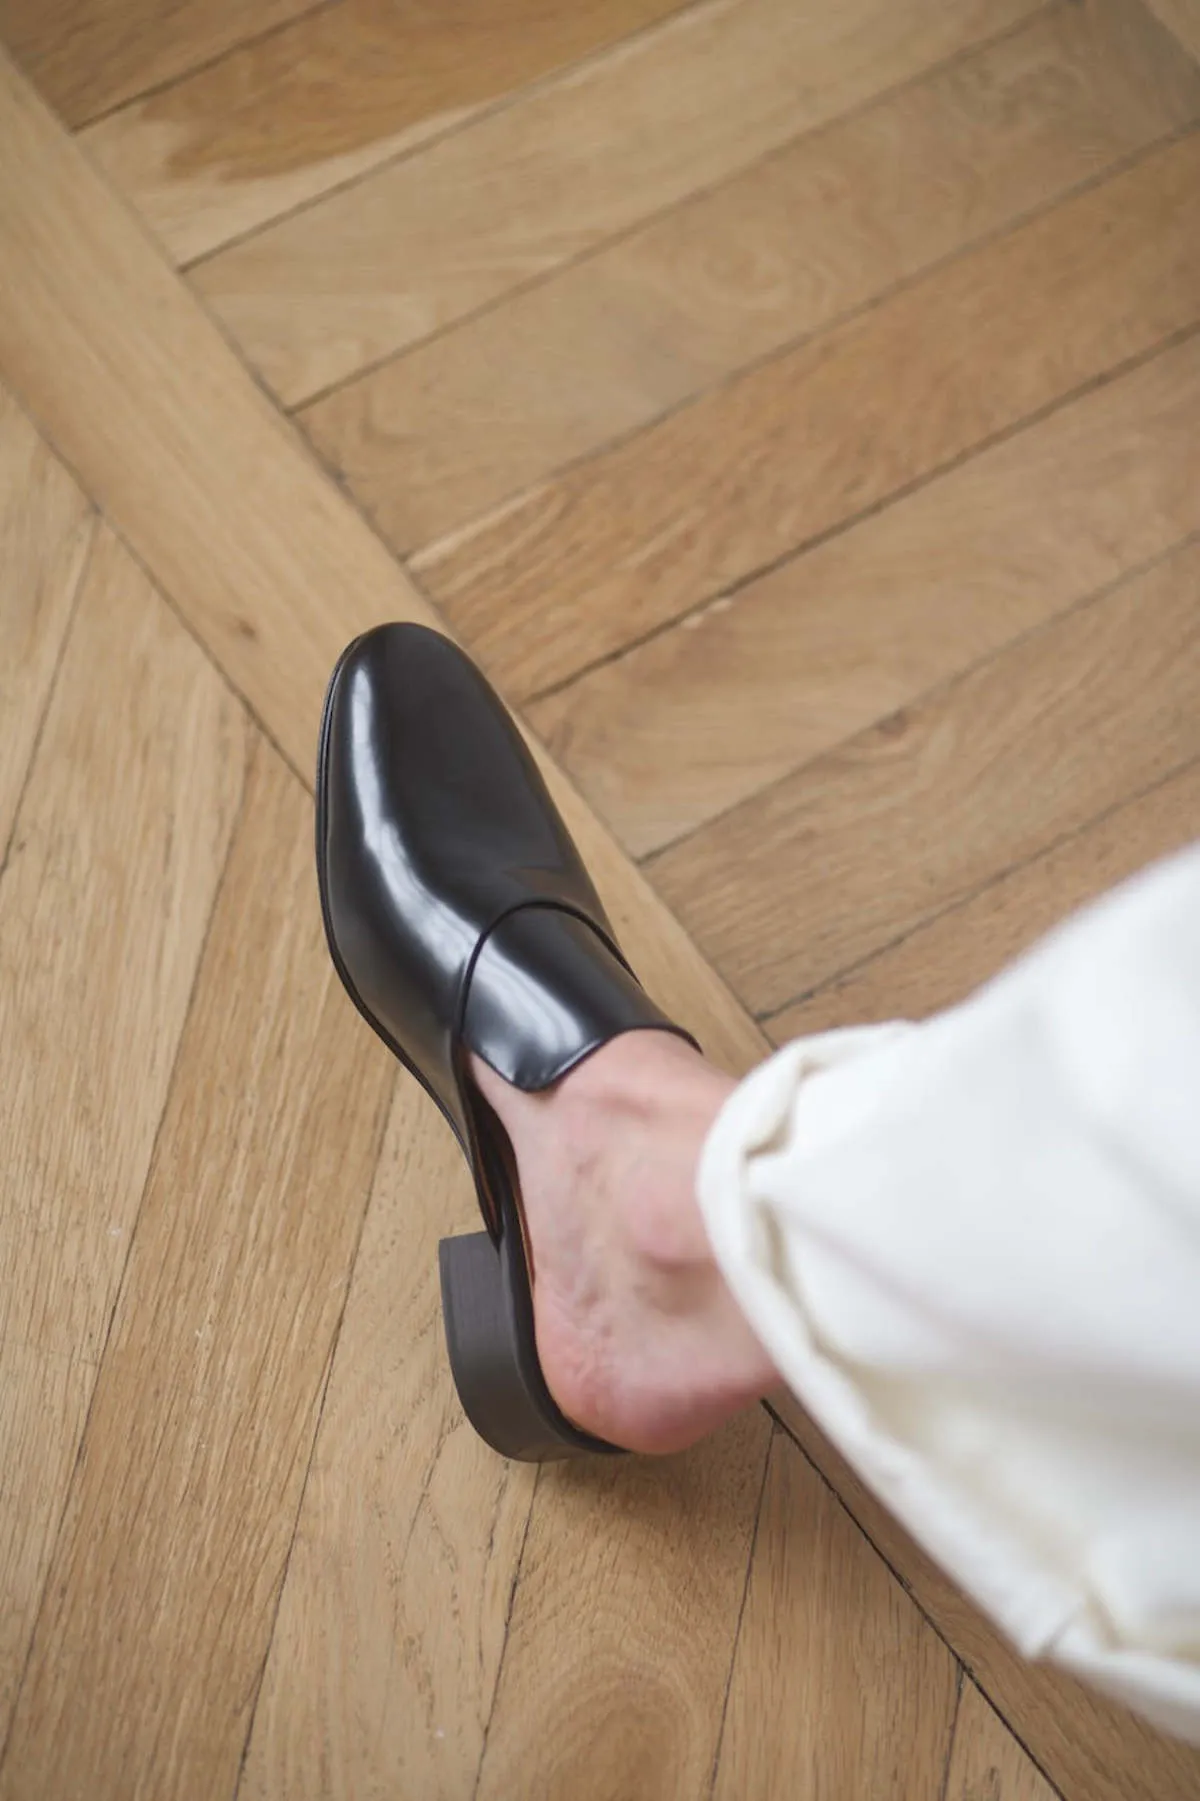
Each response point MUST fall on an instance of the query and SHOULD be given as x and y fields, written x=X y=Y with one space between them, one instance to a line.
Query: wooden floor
x=797 y=409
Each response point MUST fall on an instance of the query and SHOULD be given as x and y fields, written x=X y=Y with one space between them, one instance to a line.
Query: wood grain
x=862 y=845
x=281 y=120
x=88 y=55
x=267 y=562
x=751 y=687
x=45 y=531
x=116 y=854
x=198 y=471
x=796 y=448
x=613 y=1679
x=864 y=1708
x=987 y=1763
x=174 y=1543
x=508 y=199
x=942 y=962
x=383 y=1663
x=1089 y=1748
x=443 y=433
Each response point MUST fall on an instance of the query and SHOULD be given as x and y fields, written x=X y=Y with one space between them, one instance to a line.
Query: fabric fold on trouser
x=972 y=1248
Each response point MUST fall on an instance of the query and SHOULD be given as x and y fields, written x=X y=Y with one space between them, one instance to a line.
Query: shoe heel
x=488 y=1316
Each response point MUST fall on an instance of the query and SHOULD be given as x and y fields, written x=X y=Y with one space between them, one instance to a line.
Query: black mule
x=460 y=918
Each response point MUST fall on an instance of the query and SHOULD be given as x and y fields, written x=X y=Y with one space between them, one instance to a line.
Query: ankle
x=636 y=1115
x=629 y=1123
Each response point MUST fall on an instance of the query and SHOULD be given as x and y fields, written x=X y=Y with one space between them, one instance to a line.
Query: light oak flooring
x=796 y=409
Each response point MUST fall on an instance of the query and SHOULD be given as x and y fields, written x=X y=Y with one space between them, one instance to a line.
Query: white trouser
x=972 y=1248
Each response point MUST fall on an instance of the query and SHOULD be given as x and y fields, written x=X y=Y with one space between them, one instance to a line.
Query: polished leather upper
x=434 y=827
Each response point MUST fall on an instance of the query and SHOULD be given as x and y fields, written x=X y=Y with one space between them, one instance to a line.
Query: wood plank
x=282 y=120
x=944 y=961
x=440 y=435
x=1089 y=1748
x=623 y=1623
x=201 y=476
x=508 y=199
x=743 y=691
x=752 y=687
x=383 y=1663
x=162 y=1592
x=865 y=843
x=88 y=55
x=867 y=1709
x=1182 y=17
x=987 y=1763
x=116 y=855
x=803 y=444
x=45 y=532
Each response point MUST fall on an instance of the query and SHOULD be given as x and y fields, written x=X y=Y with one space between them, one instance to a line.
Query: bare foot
x=639 y=1339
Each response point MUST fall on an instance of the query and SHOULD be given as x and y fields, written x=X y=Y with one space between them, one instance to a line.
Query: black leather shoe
x=460 y=918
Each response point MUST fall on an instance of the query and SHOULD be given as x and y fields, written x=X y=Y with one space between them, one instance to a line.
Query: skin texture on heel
x=488 y=1313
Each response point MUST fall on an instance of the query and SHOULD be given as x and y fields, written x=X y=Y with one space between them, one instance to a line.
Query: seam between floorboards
x=432 y=550
x=162 y=593
x=700 y=192
x=321 y=6
x=765 y=1020
x=960 y=1678
x=205 y=63
x=839 y=528
x=179 y=614
x=119 y=1290
x=92 y=523
x=509 y=1610
x=154 y=246
x=752 y=1548
x=487 y=109
x=898 y=1576
x=1130 y=367
x=385 y=1112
